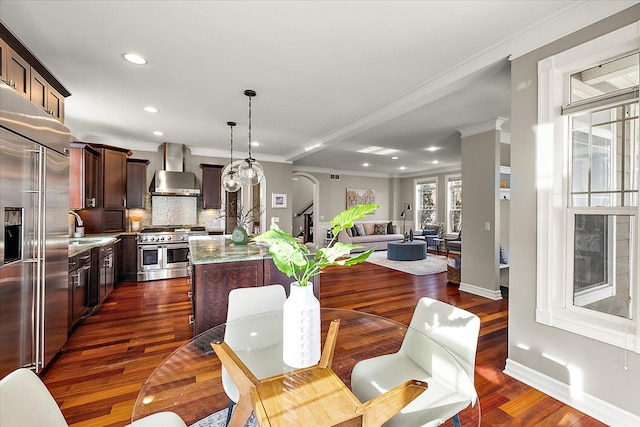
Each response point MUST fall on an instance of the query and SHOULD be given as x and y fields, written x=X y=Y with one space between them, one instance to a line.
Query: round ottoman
x=407 y=251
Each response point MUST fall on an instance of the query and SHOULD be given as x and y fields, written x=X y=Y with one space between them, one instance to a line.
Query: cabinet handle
x=191 y=319
x=189 y=294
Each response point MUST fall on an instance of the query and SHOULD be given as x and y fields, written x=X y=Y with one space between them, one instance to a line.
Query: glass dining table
x=190 y=381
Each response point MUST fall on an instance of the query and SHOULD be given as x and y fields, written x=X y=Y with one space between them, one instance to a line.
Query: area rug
x=219 y=418
x=430 y=265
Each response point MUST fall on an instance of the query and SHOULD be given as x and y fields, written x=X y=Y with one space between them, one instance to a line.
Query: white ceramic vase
x=301 y=327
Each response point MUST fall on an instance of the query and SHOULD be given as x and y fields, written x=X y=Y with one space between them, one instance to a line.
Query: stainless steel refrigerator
x=34 y=200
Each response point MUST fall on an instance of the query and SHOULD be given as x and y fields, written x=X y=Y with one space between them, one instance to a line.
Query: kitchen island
x=217 y=266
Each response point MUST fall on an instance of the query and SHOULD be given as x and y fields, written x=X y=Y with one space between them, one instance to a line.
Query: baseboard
x=583 y=402
x=483 y=292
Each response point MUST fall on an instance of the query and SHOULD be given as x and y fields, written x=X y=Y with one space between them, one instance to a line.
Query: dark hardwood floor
x=97 y=377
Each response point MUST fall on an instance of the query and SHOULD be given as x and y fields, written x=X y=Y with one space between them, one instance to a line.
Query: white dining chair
x=26 y=402
x=245 y=302
x=450 y=390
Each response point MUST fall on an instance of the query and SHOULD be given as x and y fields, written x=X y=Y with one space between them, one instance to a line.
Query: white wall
x=583 y=367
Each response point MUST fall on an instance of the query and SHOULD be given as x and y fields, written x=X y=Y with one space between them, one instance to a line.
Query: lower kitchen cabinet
x=79 y=279
x=211 y=284
x=127 y=258
x=103 y=277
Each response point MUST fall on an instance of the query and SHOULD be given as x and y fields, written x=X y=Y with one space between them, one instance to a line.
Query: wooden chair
x=452 y=331
x=312 y=396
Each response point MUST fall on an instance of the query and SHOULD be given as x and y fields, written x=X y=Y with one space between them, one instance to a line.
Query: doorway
x=305 y=195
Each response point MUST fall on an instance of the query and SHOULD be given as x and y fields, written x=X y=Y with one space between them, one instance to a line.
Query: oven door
x=177 y=256
x=150 y=257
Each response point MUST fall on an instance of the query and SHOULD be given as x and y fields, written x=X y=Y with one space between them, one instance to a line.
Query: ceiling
x=332 y=77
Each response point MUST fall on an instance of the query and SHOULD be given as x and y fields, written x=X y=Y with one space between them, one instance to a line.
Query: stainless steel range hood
x=172 y=180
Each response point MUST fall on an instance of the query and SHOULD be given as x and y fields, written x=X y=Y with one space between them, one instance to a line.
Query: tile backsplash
x=176 y=210
x=168 y=210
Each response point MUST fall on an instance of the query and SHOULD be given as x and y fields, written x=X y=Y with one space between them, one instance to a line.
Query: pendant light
x=251 y=172
x=230 y=181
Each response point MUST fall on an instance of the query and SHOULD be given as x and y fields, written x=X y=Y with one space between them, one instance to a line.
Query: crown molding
x=477 y=128
x=566 y=20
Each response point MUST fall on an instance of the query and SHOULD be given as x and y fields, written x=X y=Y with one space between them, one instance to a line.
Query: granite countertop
x=78 y=245
x=216 y=249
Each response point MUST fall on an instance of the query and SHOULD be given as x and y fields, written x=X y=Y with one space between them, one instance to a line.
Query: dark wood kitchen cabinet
x=18 y=73
x=211 y=186
x=4 y=49
x=136 y=183
x=127 y=258
x=211 y=284
x=114 y=167
x=83 y=176
x=23 y=71
x=111 y=182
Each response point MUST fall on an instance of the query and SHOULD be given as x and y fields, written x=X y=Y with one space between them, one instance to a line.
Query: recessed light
x=366 y=165
x=432 y=149
x=134 y=58
x=403 y=168
x=435 y=162
x=150 y=109
x=157 y=133
x=255 y=144
x=394 y=158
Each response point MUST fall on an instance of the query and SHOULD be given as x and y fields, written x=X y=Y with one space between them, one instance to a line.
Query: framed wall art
x=278 y=200
x=357 y=196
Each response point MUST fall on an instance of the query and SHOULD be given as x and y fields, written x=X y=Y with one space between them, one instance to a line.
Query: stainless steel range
x=163 y=253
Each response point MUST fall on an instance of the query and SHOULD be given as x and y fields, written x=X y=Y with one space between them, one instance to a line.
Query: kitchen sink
x=86 y=241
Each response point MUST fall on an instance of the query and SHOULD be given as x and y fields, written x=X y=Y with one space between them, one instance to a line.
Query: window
x=454 y=204
x=603 y=200
x=588 y=158
x=426 y=203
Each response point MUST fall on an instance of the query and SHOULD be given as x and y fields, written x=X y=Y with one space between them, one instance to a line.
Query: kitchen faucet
x=80 y=223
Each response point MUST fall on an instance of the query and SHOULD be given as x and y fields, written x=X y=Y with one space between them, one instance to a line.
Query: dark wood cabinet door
x=4 y=48
x=18 y=73
x=211 y=186
x=115 y=179
x=127 y=257
x=55 y=103
x=91 y=179
x=136 y=183
x=38 y=90
x=83 y=176
x=212 y=284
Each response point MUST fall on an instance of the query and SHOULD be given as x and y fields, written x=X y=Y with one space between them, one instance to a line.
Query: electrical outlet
x=321 y=216
x=275 y=218
x=487 y=226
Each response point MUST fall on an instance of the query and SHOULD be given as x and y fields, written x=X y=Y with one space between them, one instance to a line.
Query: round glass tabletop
x=189 y=381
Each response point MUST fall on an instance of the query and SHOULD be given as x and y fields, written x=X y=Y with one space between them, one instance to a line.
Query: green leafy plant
x=292 y=257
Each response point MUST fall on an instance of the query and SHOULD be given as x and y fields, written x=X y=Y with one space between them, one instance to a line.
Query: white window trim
x=448 y=178
x=417 y=182
x=552 y=147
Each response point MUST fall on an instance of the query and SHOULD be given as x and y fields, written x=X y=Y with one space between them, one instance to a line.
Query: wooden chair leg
x=244 y=380
x=380 y=409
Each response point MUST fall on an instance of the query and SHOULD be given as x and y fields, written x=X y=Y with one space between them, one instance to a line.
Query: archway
x=302 y=206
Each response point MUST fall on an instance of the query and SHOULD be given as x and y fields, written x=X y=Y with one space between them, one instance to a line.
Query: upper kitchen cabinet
x=136 y=183
x=84 y=163
x=4 y=48
x=23 y=71
x=18 y=73
x=211 y=186
x=114 y=169
x=111 y=178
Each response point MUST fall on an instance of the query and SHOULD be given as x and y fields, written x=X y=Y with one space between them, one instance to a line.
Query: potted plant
x=301 y=311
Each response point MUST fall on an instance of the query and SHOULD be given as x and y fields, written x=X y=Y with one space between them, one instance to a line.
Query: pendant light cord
x=250 y=158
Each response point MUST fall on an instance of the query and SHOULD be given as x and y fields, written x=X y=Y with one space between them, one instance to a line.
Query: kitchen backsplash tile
x=168 y=210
